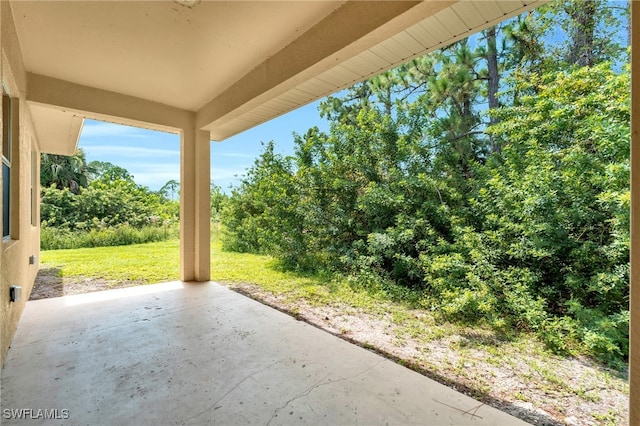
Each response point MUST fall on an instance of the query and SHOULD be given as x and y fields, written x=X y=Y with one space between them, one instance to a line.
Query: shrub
x=63 y=238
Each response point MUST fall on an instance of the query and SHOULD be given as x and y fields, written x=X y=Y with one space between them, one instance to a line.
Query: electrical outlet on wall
x=15 y=293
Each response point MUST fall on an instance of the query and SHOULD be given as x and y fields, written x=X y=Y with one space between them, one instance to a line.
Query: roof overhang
x=58 y=131
x=220 y=66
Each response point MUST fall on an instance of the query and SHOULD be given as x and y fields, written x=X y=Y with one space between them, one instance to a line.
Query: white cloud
x=131 y=151
x=232 y=155
x=146 y=152
x=227 y=173
x=156 y=175
x=156 y=180
x=153 y=158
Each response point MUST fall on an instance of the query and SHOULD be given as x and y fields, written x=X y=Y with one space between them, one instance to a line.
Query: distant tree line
x=77 y=195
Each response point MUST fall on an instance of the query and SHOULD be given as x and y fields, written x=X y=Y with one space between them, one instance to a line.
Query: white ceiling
x=231 y=64
x=158 y=50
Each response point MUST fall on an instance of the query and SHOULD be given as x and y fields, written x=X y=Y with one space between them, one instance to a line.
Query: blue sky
x=153 y=158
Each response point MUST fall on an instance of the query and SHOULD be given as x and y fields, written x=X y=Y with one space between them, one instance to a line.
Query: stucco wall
x=15 y=268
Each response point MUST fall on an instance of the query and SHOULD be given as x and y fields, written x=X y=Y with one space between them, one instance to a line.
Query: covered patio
x=180 y=353
x=206 y=70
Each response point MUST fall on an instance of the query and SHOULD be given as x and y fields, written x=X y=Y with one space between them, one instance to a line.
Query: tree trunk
x=583 y=17
x=494 y=79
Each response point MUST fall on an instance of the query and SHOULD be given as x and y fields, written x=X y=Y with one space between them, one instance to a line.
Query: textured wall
x=25 y=238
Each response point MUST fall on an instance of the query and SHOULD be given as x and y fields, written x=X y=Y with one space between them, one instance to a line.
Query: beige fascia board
x=351 y=29
x=75 y=130
x=90 y=102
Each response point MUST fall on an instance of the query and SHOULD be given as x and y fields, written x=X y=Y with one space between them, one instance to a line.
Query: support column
x=634 y=299
x=195 y=211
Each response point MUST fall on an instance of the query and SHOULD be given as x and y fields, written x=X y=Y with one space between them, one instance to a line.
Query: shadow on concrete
x=48 y=284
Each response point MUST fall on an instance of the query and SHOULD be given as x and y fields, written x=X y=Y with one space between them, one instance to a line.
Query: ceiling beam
x=104 y=105
x=349 y=30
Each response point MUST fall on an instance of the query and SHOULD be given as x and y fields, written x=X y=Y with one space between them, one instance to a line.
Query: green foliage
x=62 y=171
x=592 y=29
x=103 y=205
x=558 y=201
x=217 y=202
x=549 y=247
x=258 y=217
x=107 y=172
x=111 y=210
x=466 y=282
x=120 y=235
x=515 y=218
x=170 y=190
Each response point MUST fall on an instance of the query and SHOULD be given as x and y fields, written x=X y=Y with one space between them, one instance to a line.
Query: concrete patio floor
x=180 y=353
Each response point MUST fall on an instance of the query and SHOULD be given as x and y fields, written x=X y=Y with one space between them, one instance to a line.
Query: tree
x=493 y=78
x=217 y=200
x=66 y=171
x=170 y=190
x=583 y=17
x=110 y=200
x=108 y=172
x=590 y=28
x=489 y=177
x=557 y=202
x=260 y=215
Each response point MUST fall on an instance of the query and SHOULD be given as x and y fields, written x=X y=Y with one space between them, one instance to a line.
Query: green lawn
x=146 y=263
x=159 y=262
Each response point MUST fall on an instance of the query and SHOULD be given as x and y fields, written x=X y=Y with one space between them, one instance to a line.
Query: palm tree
x=63 y=171
x=170 y=190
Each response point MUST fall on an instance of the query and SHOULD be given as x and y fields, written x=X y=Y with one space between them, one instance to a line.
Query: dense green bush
x=533 y=236
x=105 y=204
x=111 y=210
x=63 y=238
x=489 y=179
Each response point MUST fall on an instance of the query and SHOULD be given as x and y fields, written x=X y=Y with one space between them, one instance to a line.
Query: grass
x=160 y=262
x=145 y=263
